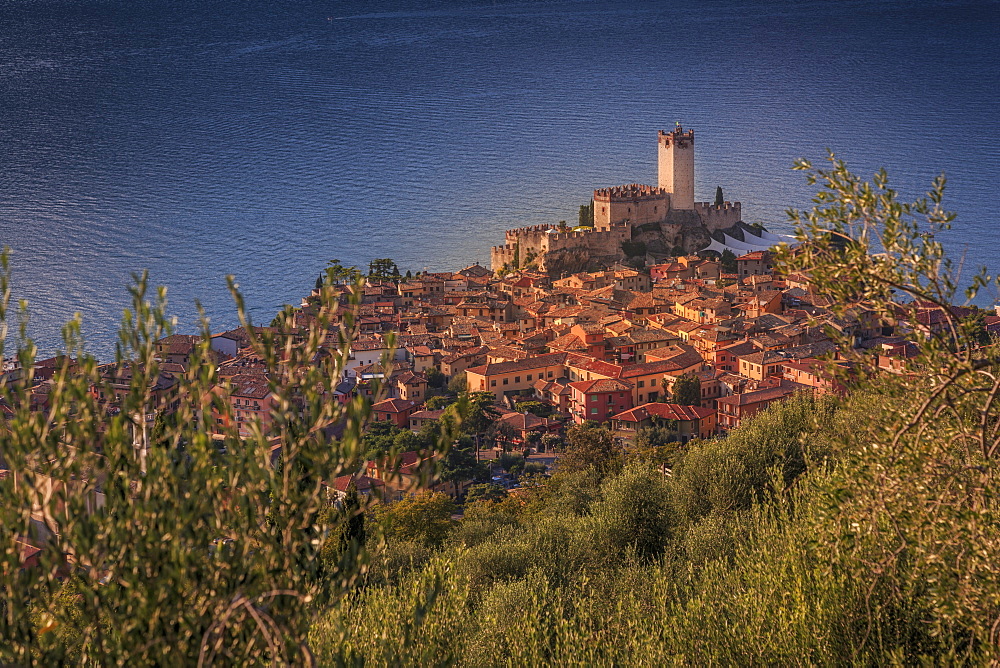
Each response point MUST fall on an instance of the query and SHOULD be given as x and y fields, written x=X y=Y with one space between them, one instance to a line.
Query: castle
x=655 y=218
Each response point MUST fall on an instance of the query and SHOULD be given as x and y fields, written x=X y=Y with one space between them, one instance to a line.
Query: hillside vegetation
x=760 y=547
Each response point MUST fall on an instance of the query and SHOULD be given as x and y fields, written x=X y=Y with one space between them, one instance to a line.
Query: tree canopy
x=687 y=390
x=728 y=263
x=383 y=269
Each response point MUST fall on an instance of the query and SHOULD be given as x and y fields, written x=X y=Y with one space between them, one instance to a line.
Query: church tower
x=676 y=162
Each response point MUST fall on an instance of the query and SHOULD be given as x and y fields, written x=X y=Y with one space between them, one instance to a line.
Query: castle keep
x=658 y=218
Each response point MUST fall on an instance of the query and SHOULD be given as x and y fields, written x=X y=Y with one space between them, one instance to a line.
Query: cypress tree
x=719 y=199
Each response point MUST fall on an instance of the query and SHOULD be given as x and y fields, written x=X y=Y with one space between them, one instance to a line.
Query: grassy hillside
x=751 y=551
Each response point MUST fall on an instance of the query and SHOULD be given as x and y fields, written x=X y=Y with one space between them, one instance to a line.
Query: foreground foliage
x=170 y=546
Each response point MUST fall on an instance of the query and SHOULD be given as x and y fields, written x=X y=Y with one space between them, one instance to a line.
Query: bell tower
x=676 y=166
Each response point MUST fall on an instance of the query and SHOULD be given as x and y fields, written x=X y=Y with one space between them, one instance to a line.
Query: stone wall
x=541 y=241
x=676 y=166
x=719 y=217
x=634 y=202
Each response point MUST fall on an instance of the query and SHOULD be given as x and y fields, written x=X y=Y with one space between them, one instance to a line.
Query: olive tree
x=191 y=549
x=916 y=504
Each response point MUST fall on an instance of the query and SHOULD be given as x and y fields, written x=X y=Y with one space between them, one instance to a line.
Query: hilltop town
x=691 y=346
x=524 y=428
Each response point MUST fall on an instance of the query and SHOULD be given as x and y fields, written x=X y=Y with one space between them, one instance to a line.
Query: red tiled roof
x=393 y=406
x=362 y=482
x=523 y=421
x=601 y=385
x=249 y=385
x=757 y=396
x=526 y=364
x=664 y=411
x=647 y=368
x=428 y=415
x=596 y=366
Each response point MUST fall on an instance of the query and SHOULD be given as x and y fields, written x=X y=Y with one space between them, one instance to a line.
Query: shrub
x=201 y=548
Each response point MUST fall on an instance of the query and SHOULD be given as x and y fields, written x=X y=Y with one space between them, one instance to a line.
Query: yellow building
x=515 y=377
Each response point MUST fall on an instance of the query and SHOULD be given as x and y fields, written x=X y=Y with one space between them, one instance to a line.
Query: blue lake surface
x=261 y=139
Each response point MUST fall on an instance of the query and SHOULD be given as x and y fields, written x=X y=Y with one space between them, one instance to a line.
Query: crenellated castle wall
x=634 y=202
x=719 y=217
x=538 y=241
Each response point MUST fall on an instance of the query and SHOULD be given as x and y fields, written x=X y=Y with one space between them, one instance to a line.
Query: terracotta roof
x=178 y=344
x=647 y=368
x=757 y=396
x=526 y=364
x=569 y=342
x=393 y=406
x=523 y=421
x=664 y=412
x=362 y=482
x=596 y=366
x=507 y=353
x=410 y=378
x=550 y=386
x=601 y=385
x=650 y=335
x=252 y=386
x=428 y=415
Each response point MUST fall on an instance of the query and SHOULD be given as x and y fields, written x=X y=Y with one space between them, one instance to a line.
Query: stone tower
x=676 y=162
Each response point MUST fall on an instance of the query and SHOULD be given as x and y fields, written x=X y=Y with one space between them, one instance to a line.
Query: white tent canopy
x=776 y=238
x=764 y=242
x=745 y=246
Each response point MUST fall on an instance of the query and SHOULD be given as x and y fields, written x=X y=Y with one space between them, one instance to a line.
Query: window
x=517 y=379
x=493 y=383
x=505 y=380
x=642 y=383
x=529 y=377
x=593 y=411
x=550 y=374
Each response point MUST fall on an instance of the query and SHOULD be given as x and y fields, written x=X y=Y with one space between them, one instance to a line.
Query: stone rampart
x=629 y=191
x=538 y=241
x=715 y=217
x=634 y=202
x=502 y=255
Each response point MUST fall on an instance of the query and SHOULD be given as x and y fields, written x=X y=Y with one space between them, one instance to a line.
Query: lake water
x=261 y=139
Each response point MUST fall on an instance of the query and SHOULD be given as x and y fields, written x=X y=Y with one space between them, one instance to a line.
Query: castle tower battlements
x=719 y=217
x=634 y=202
x=662 y=216
x=629 y=191
x=676 y=166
